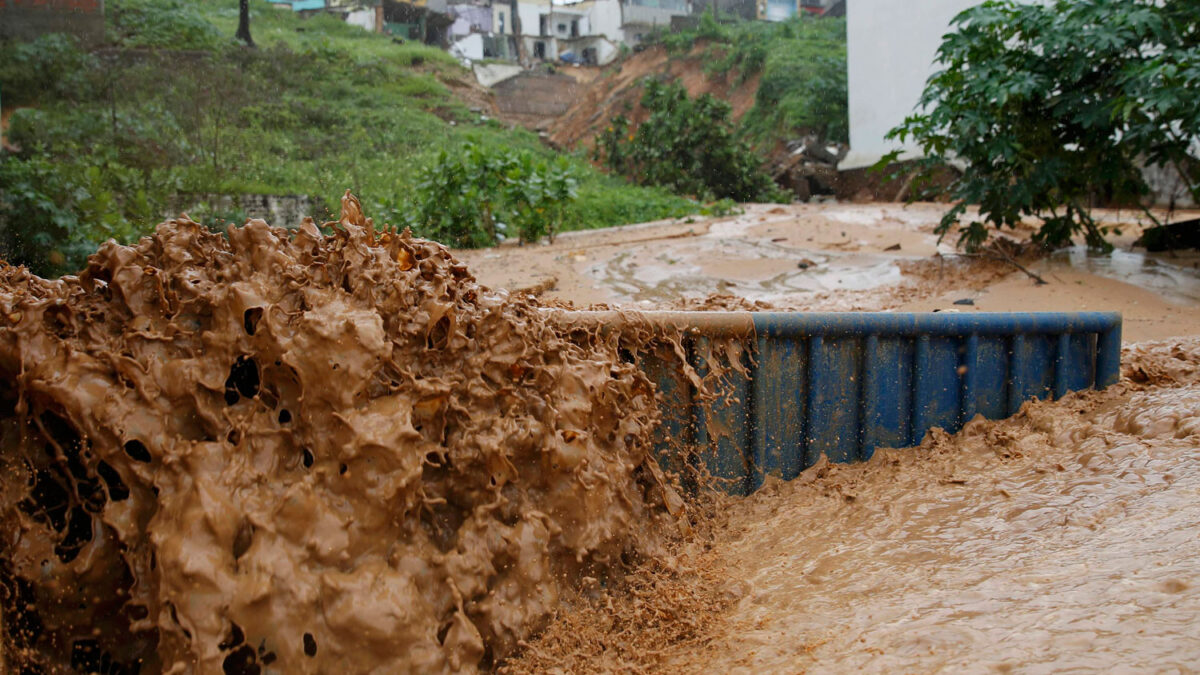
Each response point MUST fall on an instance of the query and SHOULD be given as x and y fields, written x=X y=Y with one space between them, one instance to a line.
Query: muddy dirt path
x=842 y=257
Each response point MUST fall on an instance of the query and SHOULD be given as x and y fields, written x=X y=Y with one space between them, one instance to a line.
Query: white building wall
x=890 y=48
x=650 y=16
x=606 y=51
x=468 y=47
x=363 y=18
x=529 y=13
x=605 y=19
x=531 y=45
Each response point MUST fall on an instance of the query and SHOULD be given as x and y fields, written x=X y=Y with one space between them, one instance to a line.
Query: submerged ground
x=863 y=257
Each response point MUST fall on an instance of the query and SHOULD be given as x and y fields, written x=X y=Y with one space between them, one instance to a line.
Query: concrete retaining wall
x=536 y=94
x=278 y=210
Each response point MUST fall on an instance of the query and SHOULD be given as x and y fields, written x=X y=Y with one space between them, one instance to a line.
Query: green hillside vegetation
x=173 y=105
x=803 y=66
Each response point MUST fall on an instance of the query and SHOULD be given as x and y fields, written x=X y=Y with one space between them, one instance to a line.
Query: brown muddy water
x=289 y=452
x=840 y=257
x=1066 y=538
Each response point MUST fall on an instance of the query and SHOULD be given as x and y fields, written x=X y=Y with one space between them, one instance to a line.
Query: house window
x=575 y=28
x=543 y=25
x=562 y=28
x=502 y=23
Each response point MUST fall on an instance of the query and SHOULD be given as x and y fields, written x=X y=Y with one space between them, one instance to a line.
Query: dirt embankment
x=618 y=91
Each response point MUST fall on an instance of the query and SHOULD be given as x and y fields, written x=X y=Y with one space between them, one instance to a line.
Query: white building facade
x=891 y=46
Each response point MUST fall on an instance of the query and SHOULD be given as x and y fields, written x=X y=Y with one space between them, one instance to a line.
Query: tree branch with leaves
x=1053 y=107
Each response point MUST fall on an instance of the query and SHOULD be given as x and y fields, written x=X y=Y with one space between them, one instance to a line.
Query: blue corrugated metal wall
x=845 y=384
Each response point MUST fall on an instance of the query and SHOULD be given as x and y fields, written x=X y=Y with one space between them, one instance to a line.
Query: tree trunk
x=516 y=29
x=243 y=31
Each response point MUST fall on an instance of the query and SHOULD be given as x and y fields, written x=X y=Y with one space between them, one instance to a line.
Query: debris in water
x=1173 y=237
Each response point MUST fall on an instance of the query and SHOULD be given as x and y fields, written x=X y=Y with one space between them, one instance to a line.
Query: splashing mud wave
x=303 y=453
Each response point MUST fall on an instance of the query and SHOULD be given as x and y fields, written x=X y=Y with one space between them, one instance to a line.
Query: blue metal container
x=844 y=384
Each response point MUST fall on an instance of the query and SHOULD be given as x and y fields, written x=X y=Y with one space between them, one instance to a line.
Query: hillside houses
x=592 y=32
x=584 y=32
x=587 y=32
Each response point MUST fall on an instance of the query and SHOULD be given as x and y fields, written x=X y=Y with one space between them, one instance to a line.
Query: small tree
x=688 y=145
x=476 y=197
x=1052 y=106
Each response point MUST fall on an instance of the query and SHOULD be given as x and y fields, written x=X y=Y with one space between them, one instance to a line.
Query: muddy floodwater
x=1067 y=538
x=1063 y=539
x=337 y=452
x=841 y=257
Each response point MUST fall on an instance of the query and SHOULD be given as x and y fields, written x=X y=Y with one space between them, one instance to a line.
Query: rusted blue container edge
x=931 y=323
x=844 y=384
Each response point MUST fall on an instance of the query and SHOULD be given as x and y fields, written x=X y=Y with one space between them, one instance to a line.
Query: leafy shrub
x=709 y=28
x=1051 y=106
x=803 y=86
x=541 y=197
x=52 y=214
x=474 y=197
x=51 y=66
x=687 y=145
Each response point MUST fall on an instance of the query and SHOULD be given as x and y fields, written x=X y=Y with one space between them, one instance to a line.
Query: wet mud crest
x=283 y=451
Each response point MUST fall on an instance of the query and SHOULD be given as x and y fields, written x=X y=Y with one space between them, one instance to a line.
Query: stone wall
x=536 y=94
x=278 y=210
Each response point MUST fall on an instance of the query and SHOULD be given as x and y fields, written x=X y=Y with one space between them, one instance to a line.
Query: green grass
x=183 y=24
x=319 y=107
x=803 y=66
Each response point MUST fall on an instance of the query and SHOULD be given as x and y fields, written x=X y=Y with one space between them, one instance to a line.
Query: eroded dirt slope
x=618 y=91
